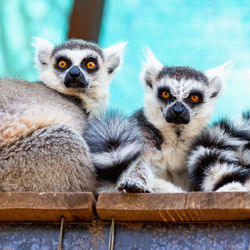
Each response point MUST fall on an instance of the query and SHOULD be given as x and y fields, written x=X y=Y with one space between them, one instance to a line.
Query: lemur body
x=26 y=107
x=178 y=103
x=219 y=159
x=41 y=143
x=166 y=152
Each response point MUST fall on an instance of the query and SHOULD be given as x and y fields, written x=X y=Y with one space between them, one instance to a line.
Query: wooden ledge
x=182 y=207
x=46 y=206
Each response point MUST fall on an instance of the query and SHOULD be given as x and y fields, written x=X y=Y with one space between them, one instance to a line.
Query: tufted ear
x=216 y=78
x=151 y=68
x=114 y=56
x=43 y=50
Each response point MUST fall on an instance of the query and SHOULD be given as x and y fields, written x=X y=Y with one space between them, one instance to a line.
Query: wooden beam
x=85 y=21
x=189 y=207
x=46 y=206
x=218 y=206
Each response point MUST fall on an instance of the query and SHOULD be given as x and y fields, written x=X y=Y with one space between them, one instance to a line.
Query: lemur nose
x=74 y=72
x=178 y=109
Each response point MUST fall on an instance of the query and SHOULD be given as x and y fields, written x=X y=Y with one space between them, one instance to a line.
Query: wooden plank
x=46 y=206
x=141 y=207
x=189 y=207
x=219 y=206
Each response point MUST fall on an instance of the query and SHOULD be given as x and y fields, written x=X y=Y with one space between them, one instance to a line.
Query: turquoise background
x=20 y=21
x=200 y=34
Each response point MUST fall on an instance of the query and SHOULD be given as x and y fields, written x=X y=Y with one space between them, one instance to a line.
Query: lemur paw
x=133 y=186
x=232 y=187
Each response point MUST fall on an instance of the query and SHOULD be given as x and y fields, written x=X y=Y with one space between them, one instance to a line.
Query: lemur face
x=77 y=64
x=77 y=67
x=179 y=95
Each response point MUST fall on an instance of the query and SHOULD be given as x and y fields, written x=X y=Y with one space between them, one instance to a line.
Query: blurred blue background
x=200 y=34
x=20 y=21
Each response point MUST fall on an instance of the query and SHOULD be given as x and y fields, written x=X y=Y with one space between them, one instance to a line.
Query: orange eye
x=90 y=65
x=165 y=94
x=62 y=64
x=194 y=98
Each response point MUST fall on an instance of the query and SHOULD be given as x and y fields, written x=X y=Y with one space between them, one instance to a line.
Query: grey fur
x=79 y=45
x=51 y=159
x=182 y=72
x=47 y=154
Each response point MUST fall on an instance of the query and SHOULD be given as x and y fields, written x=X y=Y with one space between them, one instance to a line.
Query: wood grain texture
x=185 y=207
x=46 y=206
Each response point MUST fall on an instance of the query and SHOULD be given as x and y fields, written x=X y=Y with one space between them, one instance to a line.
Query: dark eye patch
x=62 y=58
x=85 y=62
x=194 y=93
x=160 y=95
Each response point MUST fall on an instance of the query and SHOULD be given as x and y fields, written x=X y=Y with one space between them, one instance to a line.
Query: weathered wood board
x=46 y=206
x=183 y=207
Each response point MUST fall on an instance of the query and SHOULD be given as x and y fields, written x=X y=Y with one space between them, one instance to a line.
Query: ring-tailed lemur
x=220 y=157
x=41 y=143
x=178 y=103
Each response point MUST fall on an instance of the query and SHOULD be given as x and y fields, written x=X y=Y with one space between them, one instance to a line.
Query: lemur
x=41 y=143
x=219 y=158
x=148 y=151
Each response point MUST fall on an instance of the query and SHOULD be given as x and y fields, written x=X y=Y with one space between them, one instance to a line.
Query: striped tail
x=220 y=157
x=114 y=141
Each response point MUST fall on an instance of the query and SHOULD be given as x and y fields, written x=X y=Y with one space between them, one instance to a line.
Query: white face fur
x=180 y=97
x=80 y=69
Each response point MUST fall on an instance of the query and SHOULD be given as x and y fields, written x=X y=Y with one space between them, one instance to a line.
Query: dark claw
x=131 y=188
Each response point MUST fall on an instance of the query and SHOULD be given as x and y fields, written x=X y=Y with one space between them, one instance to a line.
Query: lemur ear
x=216 y=77
x=43 y=50
x=114 y=56
x=151 y=68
